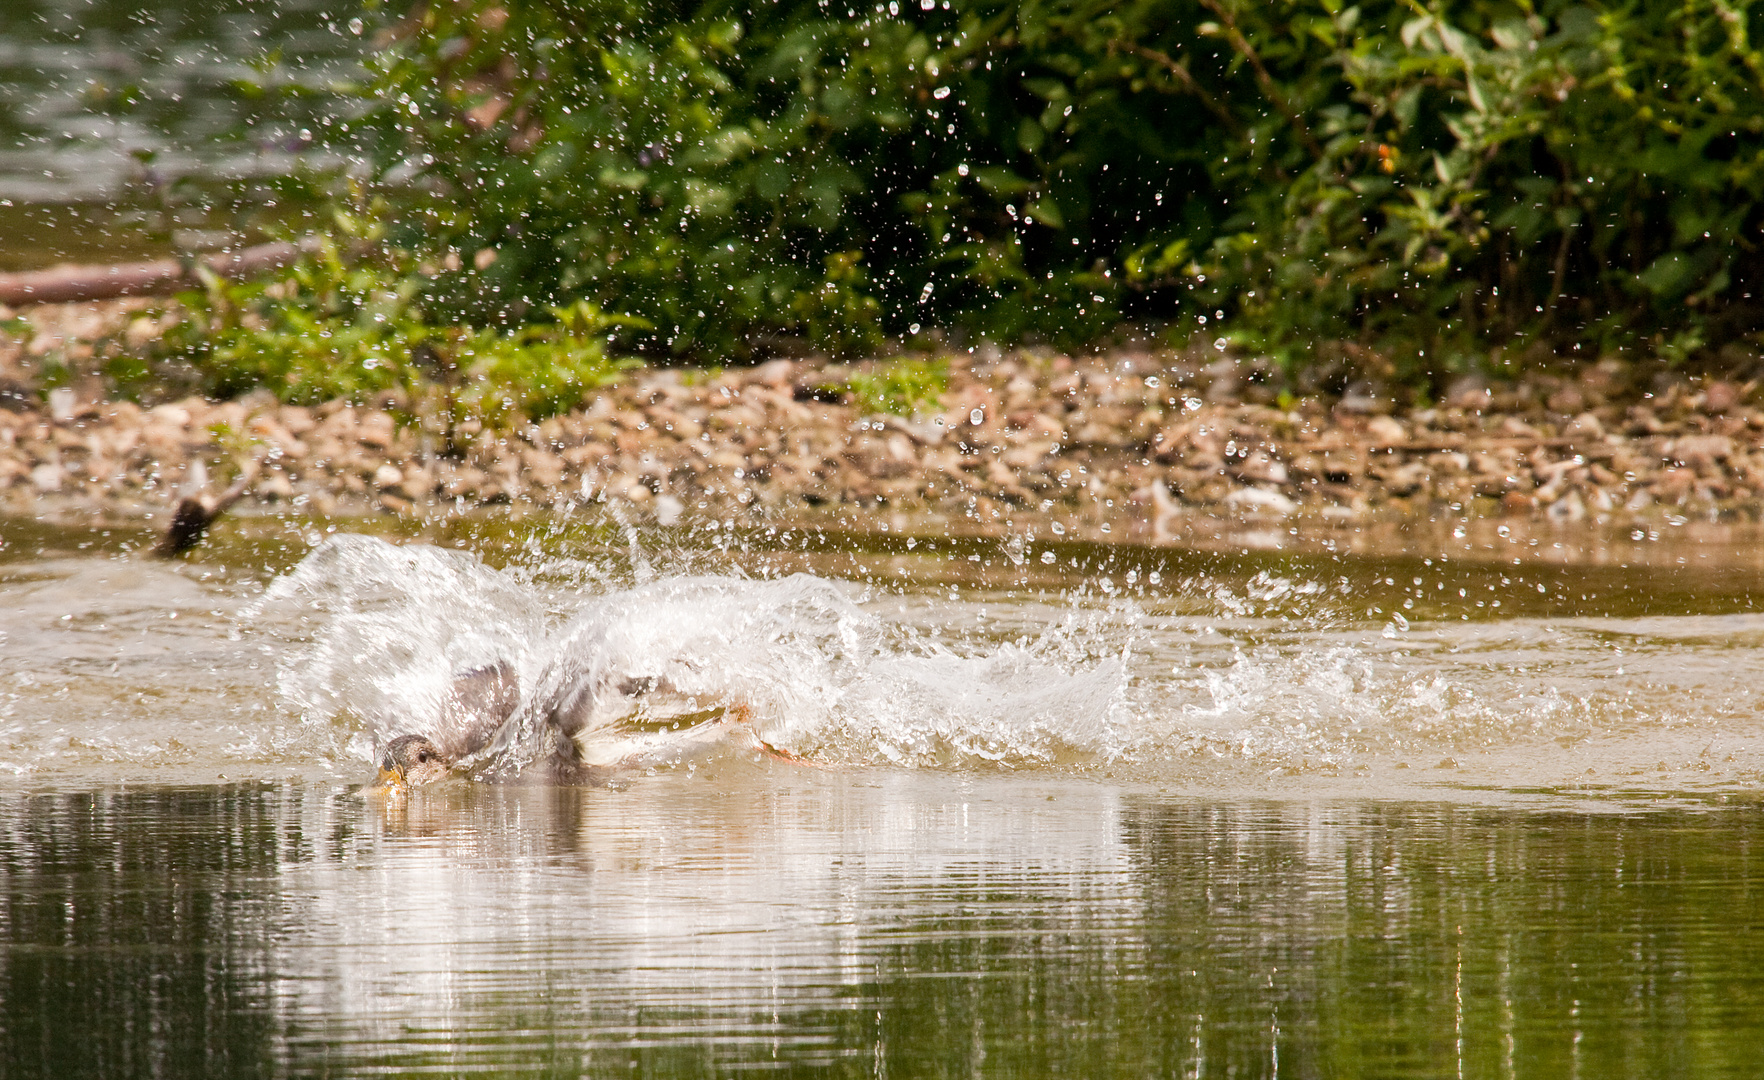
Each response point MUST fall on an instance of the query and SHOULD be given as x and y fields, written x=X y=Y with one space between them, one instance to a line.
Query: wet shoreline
x=1132 y=443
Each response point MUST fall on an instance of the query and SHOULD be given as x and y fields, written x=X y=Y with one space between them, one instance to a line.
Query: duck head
x=411 y=760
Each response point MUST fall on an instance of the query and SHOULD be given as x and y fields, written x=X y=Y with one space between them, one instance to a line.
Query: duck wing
x=478 y=703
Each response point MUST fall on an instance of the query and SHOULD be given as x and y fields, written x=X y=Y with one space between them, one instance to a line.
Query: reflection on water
x=871 y=923
x=1121 y=812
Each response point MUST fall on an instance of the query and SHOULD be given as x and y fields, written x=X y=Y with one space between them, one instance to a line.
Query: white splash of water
x=391 y=625
x=125 y=667
x=800 y=657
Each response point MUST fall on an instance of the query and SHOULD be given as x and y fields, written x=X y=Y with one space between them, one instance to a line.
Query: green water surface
x=855 y=925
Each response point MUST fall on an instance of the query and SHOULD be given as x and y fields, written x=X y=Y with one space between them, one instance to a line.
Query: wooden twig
x=1269 y=87
x=1182 y=75
x=1587 y=446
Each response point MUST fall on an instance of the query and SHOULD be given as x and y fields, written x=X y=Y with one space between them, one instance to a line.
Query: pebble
x=1130 y=440
x=47 y=477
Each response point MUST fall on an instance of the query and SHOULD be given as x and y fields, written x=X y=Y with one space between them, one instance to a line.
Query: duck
x=474 y=714
x=411 y=760
x=478 y=716
x=415 y=760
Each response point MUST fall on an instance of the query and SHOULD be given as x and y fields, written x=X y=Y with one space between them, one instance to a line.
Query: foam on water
x=389 y=626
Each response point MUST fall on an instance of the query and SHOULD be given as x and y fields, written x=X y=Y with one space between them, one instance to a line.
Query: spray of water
x=645 y=652
x=803 y=661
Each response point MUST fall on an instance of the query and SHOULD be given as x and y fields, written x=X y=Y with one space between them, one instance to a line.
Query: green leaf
x=1047 y=212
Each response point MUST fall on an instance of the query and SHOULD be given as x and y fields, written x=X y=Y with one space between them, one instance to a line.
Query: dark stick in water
x=197 y=511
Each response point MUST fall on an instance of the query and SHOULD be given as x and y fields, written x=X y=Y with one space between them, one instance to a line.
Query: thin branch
x=1180 y=70
x=1269 y=88
x=1557 y=272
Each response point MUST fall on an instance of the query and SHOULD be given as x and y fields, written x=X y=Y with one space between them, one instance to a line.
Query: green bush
x=1423 y=178
x=903 y=386
x=328 y=329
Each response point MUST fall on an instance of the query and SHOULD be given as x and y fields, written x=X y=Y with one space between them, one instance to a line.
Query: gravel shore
x=1132 y=440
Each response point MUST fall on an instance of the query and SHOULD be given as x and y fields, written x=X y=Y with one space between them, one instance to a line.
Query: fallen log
x=159 y=277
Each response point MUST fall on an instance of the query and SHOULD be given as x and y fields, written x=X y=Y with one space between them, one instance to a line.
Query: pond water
x=1127 y=811
x=123 y=131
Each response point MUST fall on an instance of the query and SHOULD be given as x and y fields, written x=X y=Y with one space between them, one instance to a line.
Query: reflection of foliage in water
x=267 y=930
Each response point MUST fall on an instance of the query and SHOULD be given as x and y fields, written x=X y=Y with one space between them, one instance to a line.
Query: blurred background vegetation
x=1429 y=186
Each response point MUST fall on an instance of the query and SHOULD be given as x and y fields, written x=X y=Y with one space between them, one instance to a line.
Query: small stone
x=1468 y=392
x=47 y=477
x=1383 y=431
x=1363 y=397
x=375 y=429
x=1568 y=400
x=1674 y=484
x=1157 y=496
x=1407 y=480
x=1700 y=451
x=140 y=331
x=775 y=373
x=1261 y=469
x=297 y=420
x=1584 y=426
x=16 y=395
x=177 y=416
x=1258 y=501
x=388 y=476
x=1568 y=508
x=275 y=486
x=1720 y=397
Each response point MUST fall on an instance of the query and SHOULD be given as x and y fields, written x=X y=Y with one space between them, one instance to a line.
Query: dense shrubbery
x=330 y=329
x=1423 y=179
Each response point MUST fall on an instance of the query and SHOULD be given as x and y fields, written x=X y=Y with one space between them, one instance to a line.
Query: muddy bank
x=1137 y=439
